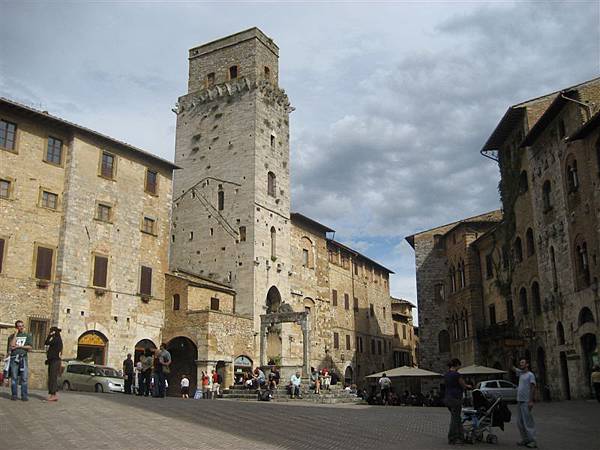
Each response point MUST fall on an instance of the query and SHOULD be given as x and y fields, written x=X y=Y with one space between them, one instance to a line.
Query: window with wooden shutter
x=38 y=329
x=346 y=302
x=151 y=182
x=8 y=135
x=214 y=304
x=100 y=271
x=348 y=345
x=146 y=281
x=355 y=304
x=43 y=263
x=334 y=297
x=107 y=165
x=336 y=340
x=2 y=245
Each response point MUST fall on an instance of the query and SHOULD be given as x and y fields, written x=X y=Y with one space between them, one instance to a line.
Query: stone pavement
x=116 y=421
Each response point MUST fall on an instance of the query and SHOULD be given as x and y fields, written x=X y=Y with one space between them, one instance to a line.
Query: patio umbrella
x=480 y=370
x=405 y=371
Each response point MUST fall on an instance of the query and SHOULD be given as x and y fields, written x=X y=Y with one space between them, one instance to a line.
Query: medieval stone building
x=84 y=235
x=218 y=268
x=537 y=268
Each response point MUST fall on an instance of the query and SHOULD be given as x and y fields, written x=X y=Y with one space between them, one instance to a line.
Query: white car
x=499 y=388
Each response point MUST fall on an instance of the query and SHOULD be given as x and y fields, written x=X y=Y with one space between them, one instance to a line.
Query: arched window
x=461 y=273
x=553 y=265
x=585 y=316
x=523 y=183
x=273 y=243
x=560 y=333
x=571 y=176
x=443 y=341
x=221 y=200
x=535 y=296
x=452 y=276
x=523 y=301
x=307 y=253
x=547 y=195
x=518 y=250
x=582 y=263
x=465 y=324
x=271 y=184
x=530 y=242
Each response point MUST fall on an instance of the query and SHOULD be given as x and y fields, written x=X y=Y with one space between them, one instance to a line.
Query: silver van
x=79 y=376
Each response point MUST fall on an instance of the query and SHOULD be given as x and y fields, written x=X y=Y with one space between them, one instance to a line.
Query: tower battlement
x=250 y=53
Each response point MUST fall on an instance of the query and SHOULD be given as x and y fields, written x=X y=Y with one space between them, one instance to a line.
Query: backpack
x=264 y=396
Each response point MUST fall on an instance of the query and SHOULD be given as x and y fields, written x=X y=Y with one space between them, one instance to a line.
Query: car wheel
x=98 y=388
x=66 y=386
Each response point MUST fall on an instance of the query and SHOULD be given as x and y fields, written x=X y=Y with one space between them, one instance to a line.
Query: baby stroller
x=479 y=421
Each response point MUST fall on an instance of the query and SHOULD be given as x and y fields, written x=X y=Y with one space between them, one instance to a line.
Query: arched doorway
x=274 y=341
x=92 y=346
x=141 y=347
x=564 y=374
x=541 y=367
x=184 y=354
x=241 y=365
x=349 y=376
x=589 y=351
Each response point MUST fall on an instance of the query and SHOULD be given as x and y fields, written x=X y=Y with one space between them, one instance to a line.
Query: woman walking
x=53 y=354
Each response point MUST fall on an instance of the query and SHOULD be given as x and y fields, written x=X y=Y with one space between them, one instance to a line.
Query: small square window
x=54 y=151
x=149 y=225
x=151 y=182
x=103 y=212
x=5 y=186
x=107 y=165
x=214 y=304
x=210 y=79
x=8 y=134
x=49 y=200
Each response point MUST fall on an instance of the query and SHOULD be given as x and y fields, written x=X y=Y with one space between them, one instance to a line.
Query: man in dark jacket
x=128 y=373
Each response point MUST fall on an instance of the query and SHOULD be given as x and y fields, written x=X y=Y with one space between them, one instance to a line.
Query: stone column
x=305 y=346
x=263 y=345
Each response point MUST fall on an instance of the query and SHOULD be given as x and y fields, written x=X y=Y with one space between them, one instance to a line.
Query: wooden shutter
x=346 y=301
x=336 y=340
x=146 y=281
x=43 y=267
x=214 y=304
x=334 y=297
x=100 y=270
x=1 y=254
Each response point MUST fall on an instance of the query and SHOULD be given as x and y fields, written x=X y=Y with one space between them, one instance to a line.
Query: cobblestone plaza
x=103 y=421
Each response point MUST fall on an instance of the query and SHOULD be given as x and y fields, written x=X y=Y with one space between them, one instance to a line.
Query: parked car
x=499 y=388
x=79 y=376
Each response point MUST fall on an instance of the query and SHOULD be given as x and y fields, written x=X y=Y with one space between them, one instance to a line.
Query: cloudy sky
x=393 y=99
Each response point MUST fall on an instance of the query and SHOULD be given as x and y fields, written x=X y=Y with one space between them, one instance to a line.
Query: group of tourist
x=148 y=377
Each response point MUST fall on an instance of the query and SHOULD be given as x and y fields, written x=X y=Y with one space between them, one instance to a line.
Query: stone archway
x=349 y=376
x=184 y=354
x=92 y=346
x=589 y=349
x=141 y=347
x=273 y=300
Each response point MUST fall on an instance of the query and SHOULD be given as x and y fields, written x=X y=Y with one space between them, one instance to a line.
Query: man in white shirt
x=295 y=381
x=525 y=399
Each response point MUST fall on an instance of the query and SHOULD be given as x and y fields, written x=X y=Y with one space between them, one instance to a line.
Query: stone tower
x=231 y=212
